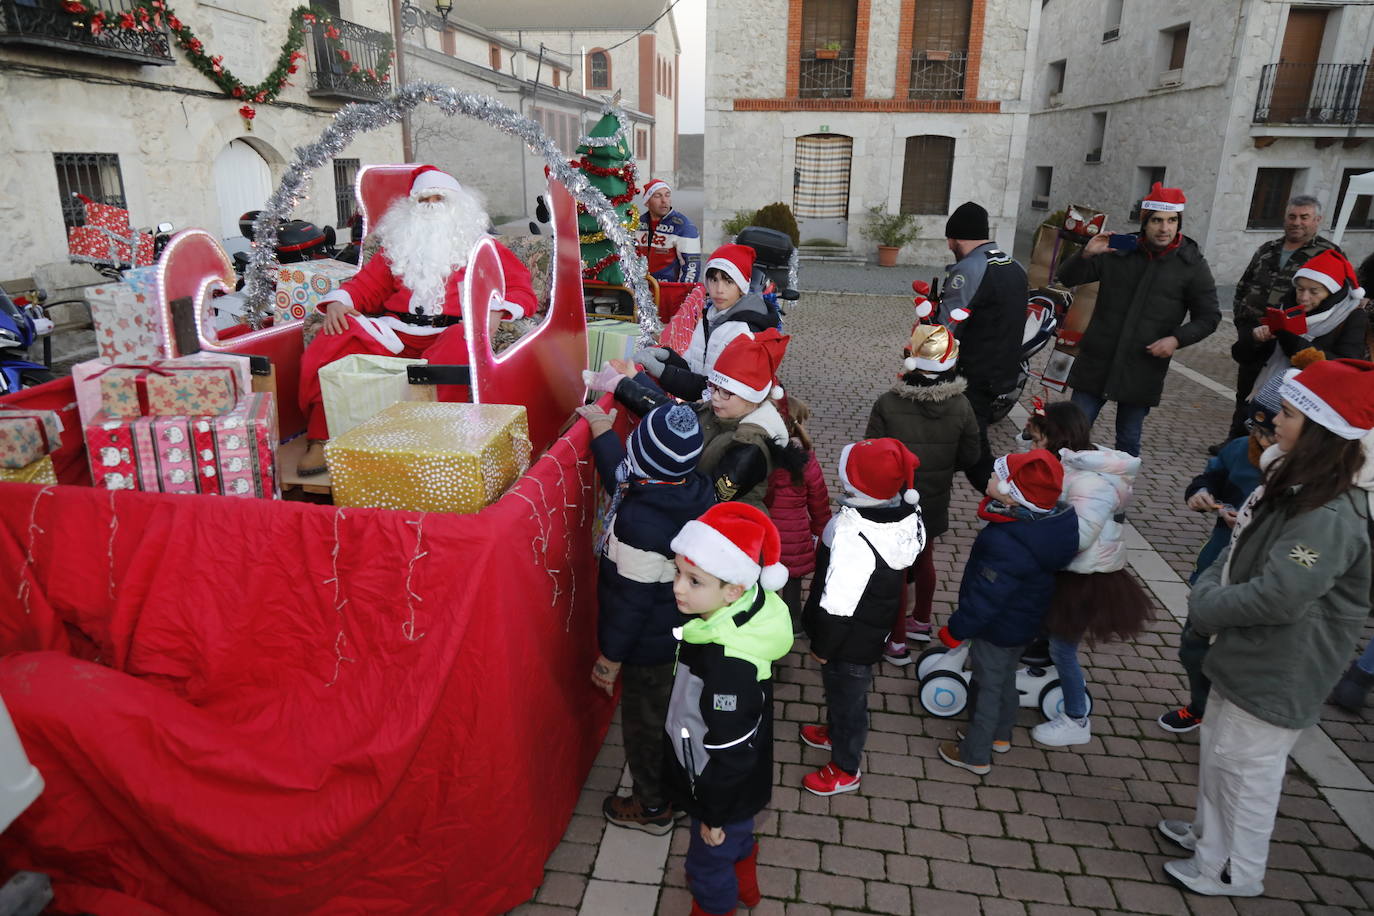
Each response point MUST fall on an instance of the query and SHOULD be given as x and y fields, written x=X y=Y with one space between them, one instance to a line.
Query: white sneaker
x=1186 y=873
x=1180 y=832
x=1062 y=731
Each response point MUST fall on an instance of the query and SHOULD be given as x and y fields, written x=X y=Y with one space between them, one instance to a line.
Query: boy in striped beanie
x=655 y=489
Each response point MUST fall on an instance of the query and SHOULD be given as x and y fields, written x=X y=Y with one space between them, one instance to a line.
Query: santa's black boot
x=1352 y=689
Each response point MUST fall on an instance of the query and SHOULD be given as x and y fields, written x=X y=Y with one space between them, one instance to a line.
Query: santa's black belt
x=426 y=321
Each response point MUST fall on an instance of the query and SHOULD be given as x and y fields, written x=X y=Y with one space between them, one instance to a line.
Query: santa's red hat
x=1331 y=269
x=428 y=179
x=653 y=187
x=880 y=469
x=736 y=543
x=1035 y=479
x=748 y=366
x=736 y=261
x=1335 y=393
x=1170 y=200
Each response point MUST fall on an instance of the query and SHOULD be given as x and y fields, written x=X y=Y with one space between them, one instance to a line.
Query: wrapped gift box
x=608 y=338
x=301 y=287
x=358 y=387
x=440 y=457
x=233 y=454
x=41 y=471
x=127 y=319
x=27 y=435
x=168 y=388
x=86 y=376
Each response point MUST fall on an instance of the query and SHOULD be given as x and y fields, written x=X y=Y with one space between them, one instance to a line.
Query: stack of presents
x=194 y=424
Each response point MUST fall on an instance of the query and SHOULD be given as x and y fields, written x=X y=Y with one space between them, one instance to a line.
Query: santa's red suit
x=389 y=326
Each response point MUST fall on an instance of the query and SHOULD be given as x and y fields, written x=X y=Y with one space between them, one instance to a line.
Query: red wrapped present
x=122 y=452
x=246 y=447
x=108 y=238
x=28 y=435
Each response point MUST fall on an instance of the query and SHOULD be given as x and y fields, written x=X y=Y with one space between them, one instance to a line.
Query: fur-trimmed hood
x=931 y=394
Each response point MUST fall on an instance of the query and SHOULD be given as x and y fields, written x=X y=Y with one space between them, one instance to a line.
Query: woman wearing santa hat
x=1283 y=605
x=1319 y=318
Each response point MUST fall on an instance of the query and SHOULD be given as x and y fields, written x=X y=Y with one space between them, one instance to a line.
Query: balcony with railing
x=826 y=77
x=938 y=75
x=346 y=61
x=67 y=25
x=1316 y=94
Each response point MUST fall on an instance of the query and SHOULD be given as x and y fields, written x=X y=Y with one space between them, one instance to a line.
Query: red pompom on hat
x=429 y=178
x=736 y=261
x=748 y=366
x=1331 y=269
x=737 y=544
x=1170 y=200
x=1335 y=393
x=879 y=469
x=1035 y=479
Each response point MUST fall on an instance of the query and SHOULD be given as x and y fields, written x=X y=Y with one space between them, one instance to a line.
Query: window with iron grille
x=345 y=176
x=1273 y=187
x=826 y=68
x=939 y=48
x=95 y=175
x=926 y=174
x=599 y=70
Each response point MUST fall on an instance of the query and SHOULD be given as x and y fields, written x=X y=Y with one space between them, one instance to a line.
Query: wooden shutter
x=926 y=173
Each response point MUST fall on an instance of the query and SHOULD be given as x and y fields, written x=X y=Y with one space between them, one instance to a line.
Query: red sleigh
x=244 y=705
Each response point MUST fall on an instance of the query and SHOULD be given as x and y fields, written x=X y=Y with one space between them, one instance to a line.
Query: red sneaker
x=830 y=780
x=816 y=736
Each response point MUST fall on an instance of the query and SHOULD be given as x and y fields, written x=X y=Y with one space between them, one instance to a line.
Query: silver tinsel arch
x=359 y=118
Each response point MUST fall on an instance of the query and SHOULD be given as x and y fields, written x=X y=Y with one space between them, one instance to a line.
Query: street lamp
x=414 y=16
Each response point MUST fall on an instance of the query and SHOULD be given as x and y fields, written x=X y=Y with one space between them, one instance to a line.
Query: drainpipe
x=407 y=152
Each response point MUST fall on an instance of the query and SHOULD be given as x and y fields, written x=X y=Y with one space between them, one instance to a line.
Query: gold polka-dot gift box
x=430 y=457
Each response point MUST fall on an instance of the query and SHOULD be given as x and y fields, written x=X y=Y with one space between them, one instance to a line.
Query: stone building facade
x=132 y=122
x=1242 y=107
x=835 y=106
x=626 y=46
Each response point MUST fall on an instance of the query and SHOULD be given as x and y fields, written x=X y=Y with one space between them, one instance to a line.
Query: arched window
x=599 y=70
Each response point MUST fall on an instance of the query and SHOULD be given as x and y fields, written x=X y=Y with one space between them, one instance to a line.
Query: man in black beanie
x=984 y=306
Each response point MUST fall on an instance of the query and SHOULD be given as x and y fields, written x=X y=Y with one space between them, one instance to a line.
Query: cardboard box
x=440 y=457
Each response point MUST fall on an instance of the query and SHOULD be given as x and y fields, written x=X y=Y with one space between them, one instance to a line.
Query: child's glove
x=948 y=639
x=653 y=359
x=1292 y=319
x=598 y=419
x=606 y=380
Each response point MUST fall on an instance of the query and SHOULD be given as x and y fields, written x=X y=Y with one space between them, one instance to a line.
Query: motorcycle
x=1045 y=310
x=297 y=240
x=20 y=327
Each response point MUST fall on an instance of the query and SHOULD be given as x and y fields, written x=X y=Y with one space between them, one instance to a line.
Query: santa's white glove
x=653 y=359
x=605 y=380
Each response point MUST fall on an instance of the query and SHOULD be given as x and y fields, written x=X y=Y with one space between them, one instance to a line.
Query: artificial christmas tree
x=604 y=157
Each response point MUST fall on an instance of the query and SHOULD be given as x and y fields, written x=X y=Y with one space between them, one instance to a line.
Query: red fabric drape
x=219 y=733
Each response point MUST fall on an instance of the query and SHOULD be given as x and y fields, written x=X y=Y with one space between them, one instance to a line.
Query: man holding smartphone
x=1148 y=288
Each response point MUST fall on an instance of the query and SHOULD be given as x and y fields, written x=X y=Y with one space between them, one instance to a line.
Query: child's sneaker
x=998 y=747
x=918 y=631
x=629 y=811
x=1063 y=731
x=897 y=654
x=1180 y=720
x=949 y=753
x=817 y=736
x=830 y=780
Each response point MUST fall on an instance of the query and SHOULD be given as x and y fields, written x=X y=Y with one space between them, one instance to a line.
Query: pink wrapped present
x=175 y=454
x=86 y=376
x=246 y=447
x=128 y=327
x=27 y=435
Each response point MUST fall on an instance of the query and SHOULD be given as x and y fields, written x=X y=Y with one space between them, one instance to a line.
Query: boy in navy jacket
x=861 y=565
x=655 y=490
x=1007 y=586
x=720 y=719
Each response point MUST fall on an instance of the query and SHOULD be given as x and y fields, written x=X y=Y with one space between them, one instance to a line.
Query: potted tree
x=890 y=231
x=829 y=51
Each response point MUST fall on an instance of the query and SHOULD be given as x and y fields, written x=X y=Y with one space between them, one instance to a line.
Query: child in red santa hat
x=861 y=565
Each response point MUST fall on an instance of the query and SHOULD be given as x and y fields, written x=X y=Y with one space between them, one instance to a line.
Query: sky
x=690 y=16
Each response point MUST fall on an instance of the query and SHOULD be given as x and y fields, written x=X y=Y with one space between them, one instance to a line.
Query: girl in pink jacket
x=798 y=502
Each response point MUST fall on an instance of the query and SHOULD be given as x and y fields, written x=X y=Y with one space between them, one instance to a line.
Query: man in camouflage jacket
x=1266 y=280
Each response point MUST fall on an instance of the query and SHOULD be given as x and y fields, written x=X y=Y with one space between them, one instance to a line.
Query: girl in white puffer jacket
x=1095 y=597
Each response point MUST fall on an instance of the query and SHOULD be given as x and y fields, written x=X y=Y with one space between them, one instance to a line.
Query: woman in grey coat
x=1283 y=605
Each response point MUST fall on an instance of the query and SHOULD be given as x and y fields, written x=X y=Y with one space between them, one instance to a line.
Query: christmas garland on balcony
x=149 y=16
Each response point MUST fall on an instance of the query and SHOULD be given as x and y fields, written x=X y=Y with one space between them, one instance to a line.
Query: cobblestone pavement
x=1047 y=831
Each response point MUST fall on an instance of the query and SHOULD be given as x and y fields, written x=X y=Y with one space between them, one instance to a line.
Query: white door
x=243 y=182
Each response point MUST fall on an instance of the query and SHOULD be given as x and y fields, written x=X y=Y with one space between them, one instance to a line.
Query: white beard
x=426 y=243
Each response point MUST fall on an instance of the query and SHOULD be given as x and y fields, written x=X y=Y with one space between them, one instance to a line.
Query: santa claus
x=406 y=300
